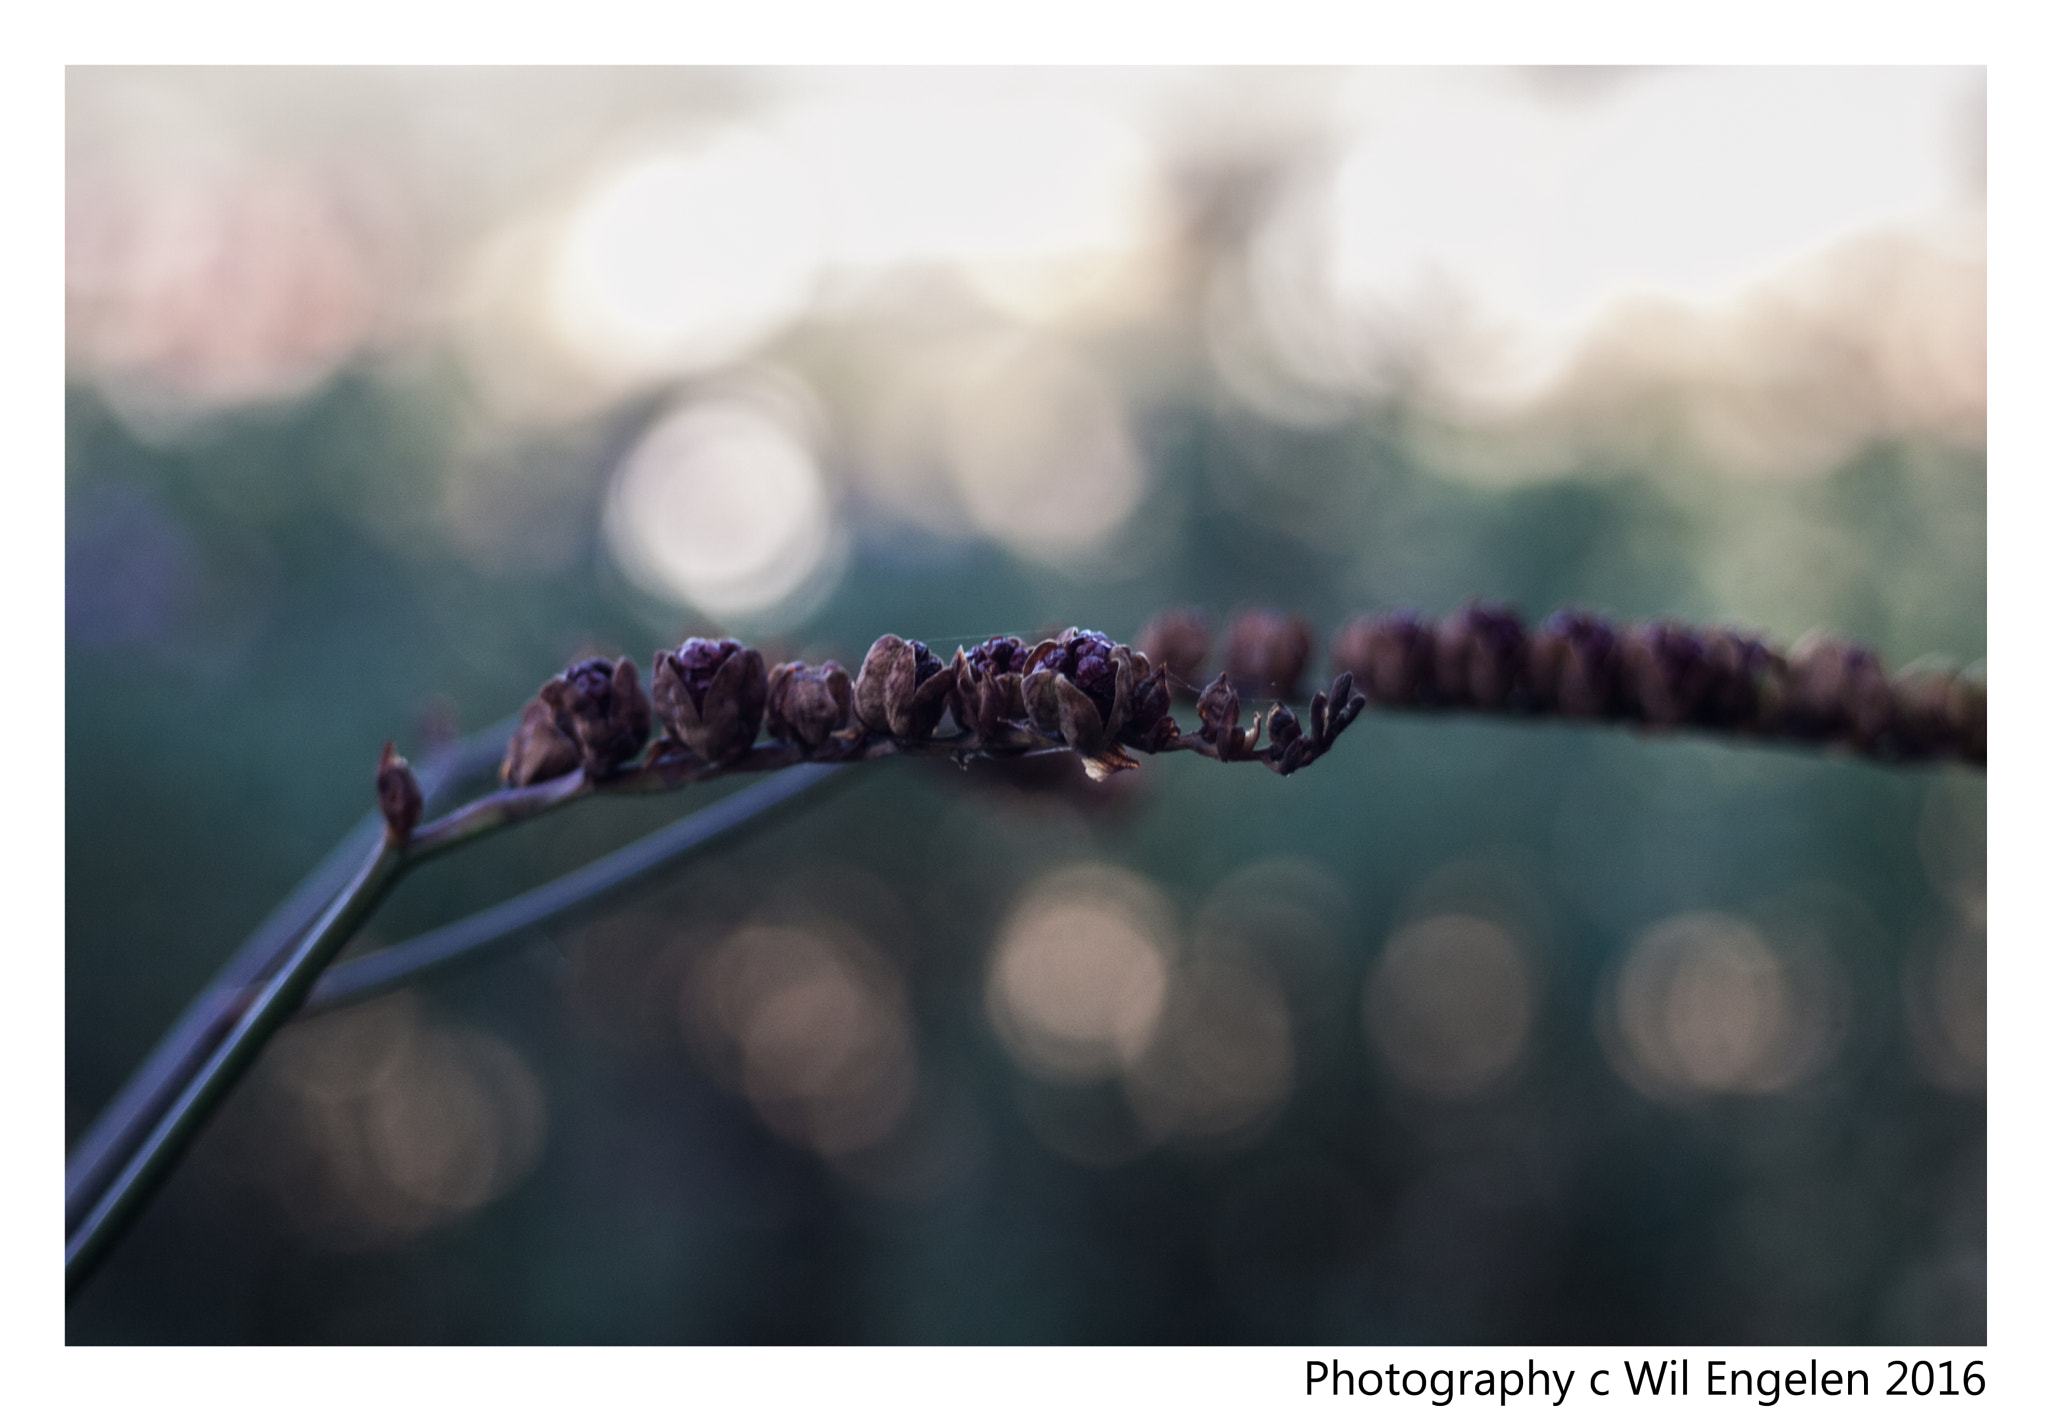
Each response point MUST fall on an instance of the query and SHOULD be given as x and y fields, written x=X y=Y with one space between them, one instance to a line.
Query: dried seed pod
x=711 y=695
x=1922 y=695
x=541 y=748
x=1572 y=665
x=1177 y=642
x=1834 y=689
x=1079 y=686
x=1665 y=675
x=988 y=685
x=593 y=715
x=1149 y=723
x=1480 y=649
x=902 y=689
x=1966 y=710
x=807 y=705
x=398 y=796
x=607 y=711
x=1267 y=652
x=1746 y=680
x=1392 y=657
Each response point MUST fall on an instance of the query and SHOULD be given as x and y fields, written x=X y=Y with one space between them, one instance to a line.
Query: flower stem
x=281 y=997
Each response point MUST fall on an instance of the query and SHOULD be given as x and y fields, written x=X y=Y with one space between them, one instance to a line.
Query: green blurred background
x=390 y=392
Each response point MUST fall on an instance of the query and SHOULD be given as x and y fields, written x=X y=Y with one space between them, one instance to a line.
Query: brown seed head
x=711 y=695
x=1480 y=649
x=1835 y=689
x=1266 y=652
x=1391 y=657
x=807 y=705
x=1177 y=642
x=1573 y=665
x=902 y=689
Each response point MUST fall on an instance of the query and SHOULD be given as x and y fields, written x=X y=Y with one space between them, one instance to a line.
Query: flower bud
x=807 y=705
x=1664 y=672
x=988 y=685
x=1746 y=680
x=1572 y=665
x=1479 y=655
x=398 y=797
x=541 y=748
x=1966 y=711
x=1834 y=689
x=902 y=689
x=1266 y=652
x=607 y=711
x=1922 y=694
x=592 y=715
x=1218 y=708
x=1392 y=658
x=1176 y=642
x=1079 y=686
x=1149 y=723
x=711 y=694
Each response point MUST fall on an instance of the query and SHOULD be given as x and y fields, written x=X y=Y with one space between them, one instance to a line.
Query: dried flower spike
x=711 y=695
x=398 y=796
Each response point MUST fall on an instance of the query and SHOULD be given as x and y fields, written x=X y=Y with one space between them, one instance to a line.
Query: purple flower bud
x=1176 y=642
x=988 y=685
x=608 y=712
x=1267 y=652
x=1665 y=673
x=398 y=797
x=711 y=695
x=902 y=689
x=1079 y=686
x=807 y=705
x=1572 y=665
x=1148 y=720
x=1480 y=649
x=1391 y=657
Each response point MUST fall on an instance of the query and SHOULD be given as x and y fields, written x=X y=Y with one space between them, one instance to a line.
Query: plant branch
x=469 y=939
x=126 y=1119
x=117 y=1208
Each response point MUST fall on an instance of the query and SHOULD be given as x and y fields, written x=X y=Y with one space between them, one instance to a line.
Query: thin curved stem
x=108 y=1144
x=468 y=940
x=110 y=1218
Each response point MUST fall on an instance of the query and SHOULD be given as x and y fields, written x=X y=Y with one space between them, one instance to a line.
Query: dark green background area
x=253 y=610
